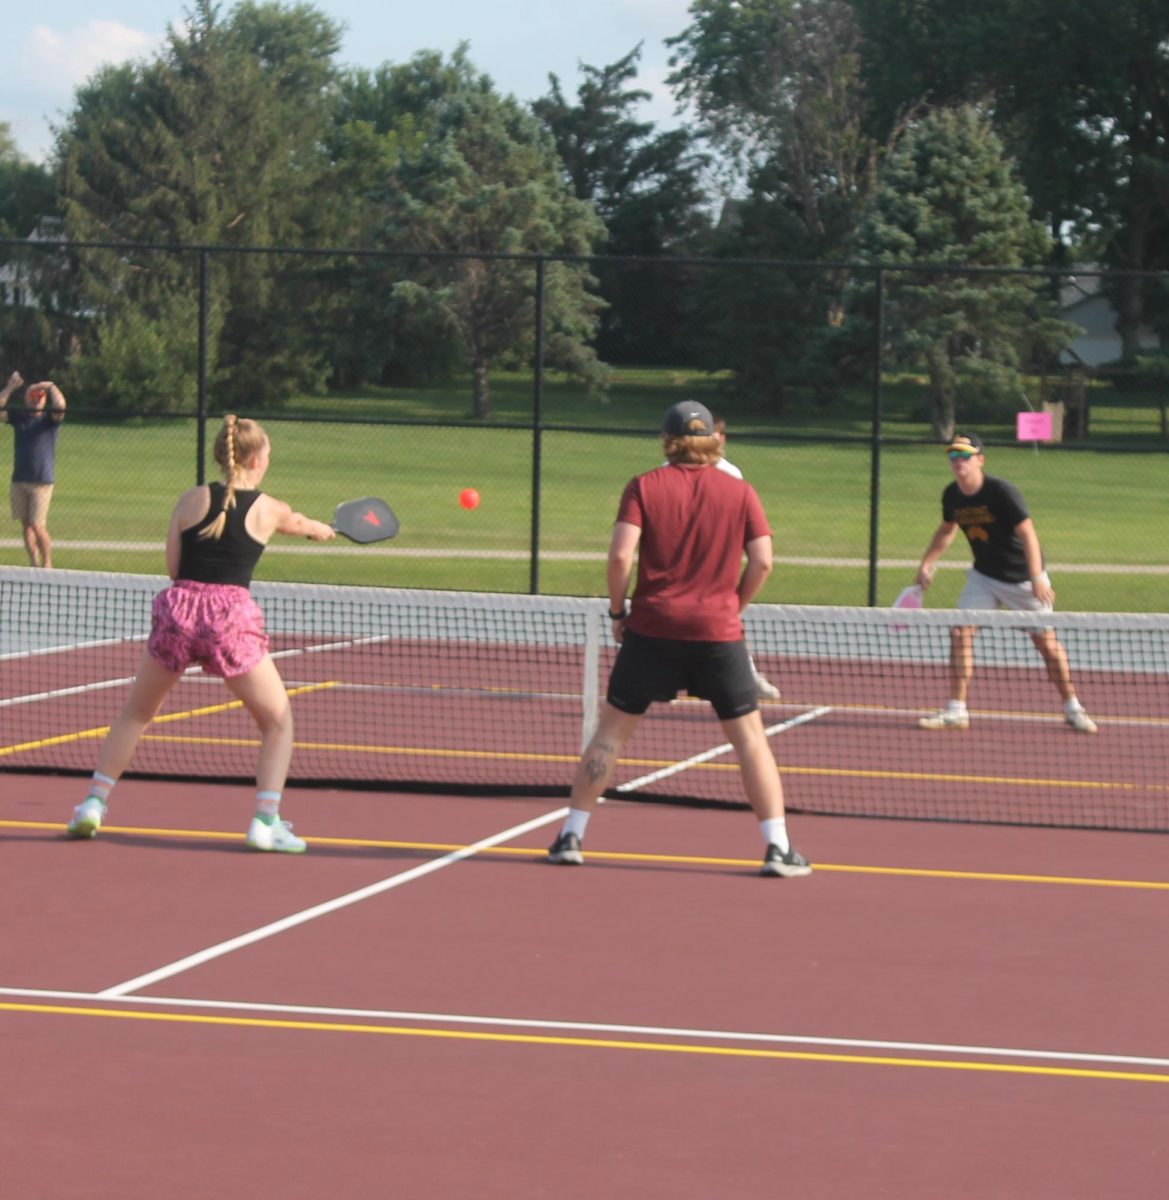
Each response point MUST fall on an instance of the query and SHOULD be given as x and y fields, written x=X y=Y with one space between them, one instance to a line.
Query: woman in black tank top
x=207 y=617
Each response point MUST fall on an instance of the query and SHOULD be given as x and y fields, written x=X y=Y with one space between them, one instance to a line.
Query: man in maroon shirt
x=689 y=525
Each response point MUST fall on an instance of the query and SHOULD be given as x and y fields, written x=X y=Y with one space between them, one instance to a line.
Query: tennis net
x=459 y=691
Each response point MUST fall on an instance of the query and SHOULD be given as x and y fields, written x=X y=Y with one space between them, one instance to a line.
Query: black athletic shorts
x=649 y=669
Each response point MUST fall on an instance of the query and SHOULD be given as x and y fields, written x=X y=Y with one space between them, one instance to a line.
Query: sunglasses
x=963 y=454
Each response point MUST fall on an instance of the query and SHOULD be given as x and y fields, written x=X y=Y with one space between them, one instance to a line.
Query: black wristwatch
x=618 y=616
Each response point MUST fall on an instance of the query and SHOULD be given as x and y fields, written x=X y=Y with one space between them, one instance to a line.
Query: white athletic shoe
x=1079 y=720
x=766 y=689
x=278 y=836
x=87 y=818
x=945 y=719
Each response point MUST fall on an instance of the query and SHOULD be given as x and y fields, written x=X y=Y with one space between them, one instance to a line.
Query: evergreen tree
x=37 y=314
x=948 y=196
x=27 y=190
x=1077 y=92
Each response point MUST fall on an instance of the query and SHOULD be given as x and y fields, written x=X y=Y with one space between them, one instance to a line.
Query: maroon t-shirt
x=695 y=522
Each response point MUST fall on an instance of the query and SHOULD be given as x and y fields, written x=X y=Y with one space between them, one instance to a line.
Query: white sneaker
x=278 y=836
x=1079 y=720
x=766 y=689
x=945 y=719
x=87 y=818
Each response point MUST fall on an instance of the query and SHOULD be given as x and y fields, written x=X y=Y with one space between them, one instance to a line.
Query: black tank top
x=232 y=557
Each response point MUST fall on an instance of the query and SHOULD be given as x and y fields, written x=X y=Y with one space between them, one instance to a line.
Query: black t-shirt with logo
x=988 y=519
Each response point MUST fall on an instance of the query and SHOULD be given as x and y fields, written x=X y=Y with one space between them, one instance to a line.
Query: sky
x=51 y=50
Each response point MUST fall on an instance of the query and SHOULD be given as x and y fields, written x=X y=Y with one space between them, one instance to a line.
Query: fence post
x=201 y=402
x=537 y=431
x=875 y=464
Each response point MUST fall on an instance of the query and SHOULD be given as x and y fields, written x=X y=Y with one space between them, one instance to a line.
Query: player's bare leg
x=1059 y=671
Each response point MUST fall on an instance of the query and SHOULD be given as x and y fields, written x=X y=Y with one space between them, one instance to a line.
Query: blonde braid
x=225 y=454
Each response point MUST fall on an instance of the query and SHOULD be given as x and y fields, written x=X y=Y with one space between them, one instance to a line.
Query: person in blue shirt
x=35 y=428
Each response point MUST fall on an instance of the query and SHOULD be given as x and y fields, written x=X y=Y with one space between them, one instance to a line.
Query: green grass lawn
x=116 y=484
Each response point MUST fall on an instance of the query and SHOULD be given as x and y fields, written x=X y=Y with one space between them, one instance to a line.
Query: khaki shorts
x=30 y=502
x=982 y=592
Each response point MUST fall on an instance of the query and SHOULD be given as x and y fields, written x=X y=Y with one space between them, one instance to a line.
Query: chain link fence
x=541 y=382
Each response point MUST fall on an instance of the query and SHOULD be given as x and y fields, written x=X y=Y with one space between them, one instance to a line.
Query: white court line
x=718 y=751
x=196 y=672
x=68 y=648
x=119 y=990
x=372 y=639
x=782 y=1039
x=122 y=990
x=80 y=689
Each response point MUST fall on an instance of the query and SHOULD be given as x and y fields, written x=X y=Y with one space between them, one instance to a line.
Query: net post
x=590 y=690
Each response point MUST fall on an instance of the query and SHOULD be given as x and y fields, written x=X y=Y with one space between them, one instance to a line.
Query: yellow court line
x=626 y=856
x=488 y=755
x=526 y=1039
x=400 y=751
x=1044 y=716
x=1104 y=785
x=82 y=735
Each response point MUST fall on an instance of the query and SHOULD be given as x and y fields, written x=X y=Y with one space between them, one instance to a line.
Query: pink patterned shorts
x=216 y=625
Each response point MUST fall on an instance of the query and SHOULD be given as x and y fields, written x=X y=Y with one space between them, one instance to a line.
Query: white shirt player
x=728 y=467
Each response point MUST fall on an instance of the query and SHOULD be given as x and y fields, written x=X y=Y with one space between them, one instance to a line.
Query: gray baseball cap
x=688 y=418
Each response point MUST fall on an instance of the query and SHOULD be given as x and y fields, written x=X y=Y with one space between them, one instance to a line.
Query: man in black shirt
x=1008 y=572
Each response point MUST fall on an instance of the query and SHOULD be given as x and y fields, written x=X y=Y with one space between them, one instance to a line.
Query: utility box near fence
x=1066 y=398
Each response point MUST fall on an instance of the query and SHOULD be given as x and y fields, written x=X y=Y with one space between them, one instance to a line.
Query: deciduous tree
x=486 y=184
x=647 y=187
x=215 y=141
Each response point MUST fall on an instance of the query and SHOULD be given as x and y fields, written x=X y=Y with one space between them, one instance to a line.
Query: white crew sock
x=774 y=831
x=576 y=822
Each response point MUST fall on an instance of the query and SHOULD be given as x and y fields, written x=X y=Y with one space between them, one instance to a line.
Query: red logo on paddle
x=371 y=518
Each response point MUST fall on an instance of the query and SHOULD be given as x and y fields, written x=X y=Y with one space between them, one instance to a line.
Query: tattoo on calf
x=599 y=761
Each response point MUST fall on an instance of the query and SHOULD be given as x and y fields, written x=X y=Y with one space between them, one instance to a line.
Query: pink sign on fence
x=1033 y=427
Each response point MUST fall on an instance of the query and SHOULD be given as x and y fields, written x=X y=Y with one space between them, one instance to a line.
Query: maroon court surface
x=939 y=1011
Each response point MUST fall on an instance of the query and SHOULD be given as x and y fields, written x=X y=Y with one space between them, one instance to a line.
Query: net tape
x=487 y=692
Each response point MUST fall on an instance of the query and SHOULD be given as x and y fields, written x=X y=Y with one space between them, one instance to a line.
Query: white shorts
x=981 y=591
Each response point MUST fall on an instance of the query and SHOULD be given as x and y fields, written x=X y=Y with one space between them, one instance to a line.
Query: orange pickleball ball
x=469 y=498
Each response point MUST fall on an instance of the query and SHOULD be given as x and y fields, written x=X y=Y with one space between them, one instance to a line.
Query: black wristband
x=618 y=616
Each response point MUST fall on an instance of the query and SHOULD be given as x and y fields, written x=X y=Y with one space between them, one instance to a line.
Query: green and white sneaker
x=87 y=818
x=277 y=837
